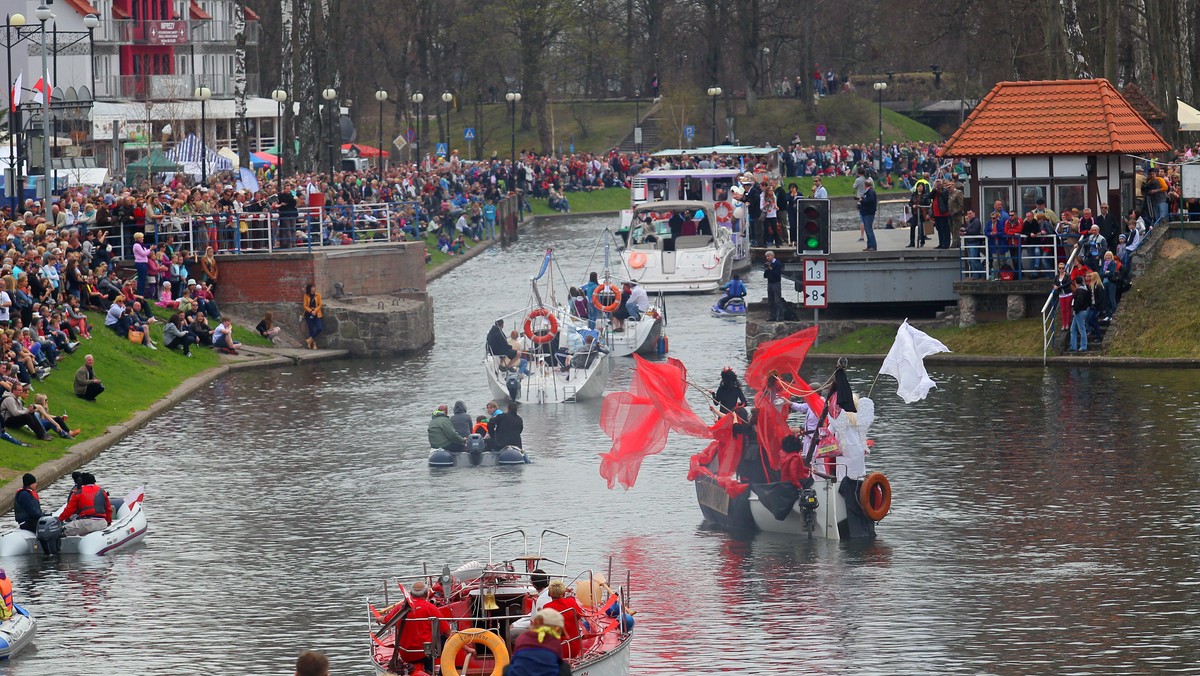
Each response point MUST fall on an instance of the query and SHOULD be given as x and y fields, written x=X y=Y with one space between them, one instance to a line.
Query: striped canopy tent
x=187 y=152
x=264 y=158
x=357 y=150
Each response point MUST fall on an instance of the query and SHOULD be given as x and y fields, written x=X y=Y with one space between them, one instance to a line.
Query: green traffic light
x=811 y=242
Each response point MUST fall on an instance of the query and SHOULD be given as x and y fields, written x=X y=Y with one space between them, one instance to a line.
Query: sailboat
x=645 y=335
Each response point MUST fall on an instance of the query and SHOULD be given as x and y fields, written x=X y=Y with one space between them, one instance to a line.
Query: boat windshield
x=671 y=228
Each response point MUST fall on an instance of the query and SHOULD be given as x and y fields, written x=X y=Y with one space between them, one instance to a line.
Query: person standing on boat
x=729 y=395
x=418 y=628
x=588 y=289
x=90 y=508
x=442 y=433
x=773 y=272
x=27 y=506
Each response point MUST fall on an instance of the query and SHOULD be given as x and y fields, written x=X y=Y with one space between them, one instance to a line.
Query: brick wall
x=376 y=269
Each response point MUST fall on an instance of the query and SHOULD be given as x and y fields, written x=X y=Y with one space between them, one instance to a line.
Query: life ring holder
x=541 y=339
x=637 y=260
x=473 y=635
x=599 y=291
x=875 y=496
x=723 y=212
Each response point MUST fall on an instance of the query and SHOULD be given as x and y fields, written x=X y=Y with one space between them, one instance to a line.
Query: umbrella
x=363 y=151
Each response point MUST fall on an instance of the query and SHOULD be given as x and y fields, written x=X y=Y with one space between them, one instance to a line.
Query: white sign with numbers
x=814 y=296
x=814 y=270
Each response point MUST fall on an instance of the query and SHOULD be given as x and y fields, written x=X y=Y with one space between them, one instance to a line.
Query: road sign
x=814 y=296
x=441 y=149
x=689 y=131
x=410 y=135
x=399 y=142
x=637 y=135
x=821 y=130
x=814 y=270
x=469 y=133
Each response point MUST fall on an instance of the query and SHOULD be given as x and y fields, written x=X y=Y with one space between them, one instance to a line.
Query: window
x=990 y=195
x=1030 y=194
x=1070 y=197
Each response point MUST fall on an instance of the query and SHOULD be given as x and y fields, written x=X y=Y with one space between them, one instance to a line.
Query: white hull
x=612 y=663
x=127 y=529
x=16 y=632
x=549 y=385
x=831 y=510
x=696 y=270
x=639 y=337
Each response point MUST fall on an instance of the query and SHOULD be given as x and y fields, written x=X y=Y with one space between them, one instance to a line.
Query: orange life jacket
x=6 y=610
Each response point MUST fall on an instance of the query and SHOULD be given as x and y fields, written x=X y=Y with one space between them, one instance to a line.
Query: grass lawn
x=1160 y=315
x=1020 y=338
x=609 y=199
x=436 y=256
x=134 y=377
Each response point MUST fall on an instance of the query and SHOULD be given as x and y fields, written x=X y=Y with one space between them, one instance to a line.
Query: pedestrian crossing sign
x=441 y=149
x=469 y=134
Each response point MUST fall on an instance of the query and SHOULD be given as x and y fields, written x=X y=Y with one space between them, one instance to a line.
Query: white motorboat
x=488 y=603
x=127 y=529
x=16 y=632
x=674 y=247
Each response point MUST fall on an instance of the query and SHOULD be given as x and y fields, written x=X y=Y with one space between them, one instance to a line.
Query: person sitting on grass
x=56 y=424
x=177 y=335
x=267 y=329
x=14 y=414
x=78 y=320
x=459 y=246
x=443 y=243
x=164 y=298
x=205 y=300
x=222 y=337
x=87 y=385
x=202 y=329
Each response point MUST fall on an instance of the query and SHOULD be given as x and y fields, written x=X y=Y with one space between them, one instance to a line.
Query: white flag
x=906 y=362
x=15 y=94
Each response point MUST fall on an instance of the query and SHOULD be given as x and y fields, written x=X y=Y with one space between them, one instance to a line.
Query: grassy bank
x=1020 y=338
x=134 y=377
x=1160 y=315
x=609 y=199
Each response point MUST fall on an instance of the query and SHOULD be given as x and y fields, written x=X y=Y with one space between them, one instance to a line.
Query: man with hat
x=27 y=506
x=418 y=630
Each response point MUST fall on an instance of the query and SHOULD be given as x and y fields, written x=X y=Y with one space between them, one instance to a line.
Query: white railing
x=1050 y=312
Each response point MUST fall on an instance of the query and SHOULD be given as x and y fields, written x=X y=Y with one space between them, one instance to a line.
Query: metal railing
x=173 y=33
x=987 y=257
x=1050 y=311
x=168 y=86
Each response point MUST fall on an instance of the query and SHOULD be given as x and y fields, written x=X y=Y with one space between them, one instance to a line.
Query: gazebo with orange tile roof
x=1072 y=142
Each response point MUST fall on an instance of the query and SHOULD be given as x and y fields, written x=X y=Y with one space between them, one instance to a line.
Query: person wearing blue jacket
x=734 y=288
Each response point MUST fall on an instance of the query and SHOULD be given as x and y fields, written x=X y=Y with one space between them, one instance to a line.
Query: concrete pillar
x=966 y=310
x=1015 y=306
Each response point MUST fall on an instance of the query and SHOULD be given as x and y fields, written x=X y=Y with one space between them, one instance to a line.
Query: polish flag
x=40 y=89
x=15 y=94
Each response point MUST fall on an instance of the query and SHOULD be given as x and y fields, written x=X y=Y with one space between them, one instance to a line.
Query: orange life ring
x=637 y=260
x=723 y=212
x=541 y=338
x=474 y=635
x=875 y=496
x=599 y=291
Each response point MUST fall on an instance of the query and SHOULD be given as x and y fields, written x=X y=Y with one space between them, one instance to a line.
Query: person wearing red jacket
x=572 y=614
x=418 y=630
x=88 y=510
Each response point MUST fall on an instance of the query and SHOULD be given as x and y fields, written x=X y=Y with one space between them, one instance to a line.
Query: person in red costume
x=418 y=629
x=572 y=614
x=89 y=506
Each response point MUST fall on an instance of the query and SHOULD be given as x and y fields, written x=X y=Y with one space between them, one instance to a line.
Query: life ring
x=474 y=635
x=541 y=338
x=637 y=260
x=600 y=291
x=875 y=496
x=723 y=212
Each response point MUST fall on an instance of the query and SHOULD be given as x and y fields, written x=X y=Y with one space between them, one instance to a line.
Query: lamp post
x=714 y=92
x=637 y=118
x=13 y=21
x=44 y=14
x=513 y=99
x=417 y=99
x=763 y=66
x=330 y=94
x=447 y=97
x=202 y=94
x=880 y=87
x=280 y=96
x=90 y=22
x=381 y=96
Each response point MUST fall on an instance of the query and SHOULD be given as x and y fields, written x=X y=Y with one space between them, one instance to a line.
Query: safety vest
x=6 y=611
x=480 y=428
x=93 y=502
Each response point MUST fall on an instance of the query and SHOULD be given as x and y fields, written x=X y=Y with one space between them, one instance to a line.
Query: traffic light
x=813 y=229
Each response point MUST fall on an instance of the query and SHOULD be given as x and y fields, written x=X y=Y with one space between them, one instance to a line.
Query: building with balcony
x=140 y=68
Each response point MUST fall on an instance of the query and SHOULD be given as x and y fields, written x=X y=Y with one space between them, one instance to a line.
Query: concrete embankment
x=85 y=451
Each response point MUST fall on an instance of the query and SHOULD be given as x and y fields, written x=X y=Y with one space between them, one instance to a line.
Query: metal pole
x=380 y=160
x=13 y=127
x=45 y=122
x=92 y=59
x=279 y=147
x=329 y=137
x=419 y=116
x=447 y=130
x=714 y=119
x=203 y=144
x=513 y=123
x=880 y=168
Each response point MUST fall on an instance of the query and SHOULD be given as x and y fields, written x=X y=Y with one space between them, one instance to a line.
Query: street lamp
x=14 y=21
x=513 y=99
x=417 y=99
x=330 y=94
x=880 y=87
x=766 y=55
x=90 y=22
x=637 y=118
x=381 y=96
x=203 y=94
x=280 y=96
x=447 y=97
x=714 y=92
x=44 y=14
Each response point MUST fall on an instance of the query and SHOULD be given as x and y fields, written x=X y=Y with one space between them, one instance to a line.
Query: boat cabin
x=662 y=185
x=762 y=161
x=670 y=226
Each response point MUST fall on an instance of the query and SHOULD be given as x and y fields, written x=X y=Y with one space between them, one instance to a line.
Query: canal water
x=1044 y=521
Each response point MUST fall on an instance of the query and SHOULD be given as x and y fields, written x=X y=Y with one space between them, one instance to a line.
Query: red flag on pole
x=41 y=89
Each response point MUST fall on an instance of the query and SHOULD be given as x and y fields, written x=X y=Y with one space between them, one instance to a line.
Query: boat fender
x=607 y=290
x=875 y=496
x=474 y=635
x=637 y=260
x=723 y=211
x=541 y=338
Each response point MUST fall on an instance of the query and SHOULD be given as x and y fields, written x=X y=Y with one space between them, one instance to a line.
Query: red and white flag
x=15 y=94
x=40 y=89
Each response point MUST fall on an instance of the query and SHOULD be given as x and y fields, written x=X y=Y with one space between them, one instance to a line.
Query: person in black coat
x=27 y=507
x=506 y=429
x=497 y=344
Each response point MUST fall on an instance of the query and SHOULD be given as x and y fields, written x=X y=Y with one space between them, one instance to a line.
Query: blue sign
x=689 y=131
x=410 y=135
x=469 y=133
x=441 y=149
x=820 y=130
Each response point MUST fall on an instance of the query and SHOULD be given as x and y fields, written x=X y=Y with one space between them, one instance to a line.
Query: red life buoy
x=541 y=338
x=723 y=212
x=875 y=496
x=612 y=290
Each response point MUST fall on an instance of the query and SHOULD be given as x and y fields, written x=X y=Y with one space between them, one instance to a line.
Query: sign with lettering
x=167 y=32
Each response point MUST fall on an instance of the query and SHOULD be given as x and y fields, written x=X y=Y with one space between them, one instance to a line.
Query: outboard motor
x=476 y=447
x=440 y=457
x=511 y=455
x=808 y=503
x=513 y=383
x=49 y=534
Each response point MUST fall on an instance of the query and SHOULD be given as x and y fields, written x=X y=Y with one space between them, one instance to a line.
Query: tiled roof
x=1053 y=117
x=83 y=7
x=1143 y=105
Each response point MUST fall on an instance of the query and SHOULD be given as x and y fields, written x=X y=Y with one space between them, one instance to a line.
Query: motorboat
x=487 y=604
x=560 y=359
x=736 y=307
x=477 y=454
x=126 y=530
x=16 y=632
x=678 y=247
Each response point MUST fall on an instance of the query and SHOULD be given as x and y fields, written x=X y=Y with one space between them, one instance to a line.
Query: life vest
x=93 y=502
x=480 y=428
x=6 y=611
